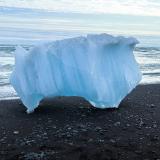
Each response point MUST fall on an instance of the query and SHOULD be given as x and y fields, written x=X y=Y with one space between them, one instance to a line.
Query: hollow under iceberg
x=100 y=68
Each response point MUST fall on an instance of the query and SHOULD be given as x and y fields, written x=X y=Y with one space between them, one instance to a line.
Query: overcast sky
x=127 y=7
x=34 y=20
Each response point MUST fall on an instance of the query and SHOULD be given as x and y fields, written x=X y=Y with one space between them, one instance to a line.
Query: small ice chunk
x=100 y=68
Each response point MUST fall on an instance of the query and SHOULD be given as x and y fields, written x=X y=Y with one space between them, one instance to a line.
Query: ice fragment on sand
x=100 y=68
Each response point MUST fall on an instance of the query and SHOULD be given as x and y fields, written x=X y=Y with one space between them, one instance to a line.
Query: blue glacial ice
x=100 y=68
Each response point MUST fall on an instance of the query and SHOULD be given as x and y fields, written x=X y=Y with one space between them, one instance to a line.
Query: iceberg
x=101 y=68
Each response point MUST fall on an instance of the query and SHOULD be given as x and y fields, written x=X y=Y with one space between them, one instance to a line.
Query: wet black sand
x=70 y=128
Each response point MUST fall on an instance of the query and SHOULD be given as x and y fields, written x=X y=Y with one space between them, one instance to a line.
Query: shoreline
x=70 y=128
x=17 y=97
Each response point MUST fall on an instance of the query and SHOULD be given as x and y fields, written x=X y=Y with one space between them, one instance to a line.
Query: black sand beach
x=70 y=128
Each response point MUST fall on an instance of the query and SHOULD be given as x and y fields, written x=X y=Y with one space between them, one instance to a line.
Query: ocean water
x=148 y=58
x=27 y=28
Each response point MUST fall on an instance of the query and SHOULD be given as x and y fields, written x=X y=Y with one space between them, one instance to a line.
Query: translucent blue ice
x=100 y=68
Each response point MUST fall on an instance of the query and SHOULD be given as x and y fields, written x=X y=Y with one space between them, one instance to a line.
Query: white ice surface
x=100 y=68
